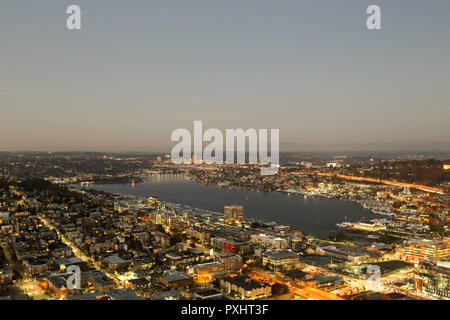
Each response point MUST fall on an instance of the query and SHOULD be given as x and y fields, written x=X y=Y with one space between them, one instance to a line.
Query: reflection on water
x=167 y=178
x=316 y=216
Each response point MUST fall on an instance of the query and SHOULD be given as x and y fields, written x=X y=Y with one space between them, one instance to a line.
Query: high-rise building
x=233 y=215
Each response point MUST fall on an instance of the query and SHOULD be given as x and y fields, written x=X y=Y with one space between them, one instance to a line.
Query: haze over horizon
x=140 y=69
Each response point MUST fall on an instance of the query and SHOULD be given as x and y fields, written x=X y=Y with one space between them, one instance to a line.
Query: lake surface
x=313 y=215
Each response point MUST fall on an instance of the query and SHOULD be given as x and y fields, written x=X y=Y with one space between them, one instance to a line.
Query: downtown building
x=224 y=264
x=432 y=279
x=271 y=242
x=280 y=259
x=344 y=253
x=233 y=215
x=418 y=249
x=229 y=246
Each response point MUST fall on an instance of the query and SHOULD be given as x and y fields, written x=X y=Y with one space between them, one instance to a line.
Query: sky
x=139 y=69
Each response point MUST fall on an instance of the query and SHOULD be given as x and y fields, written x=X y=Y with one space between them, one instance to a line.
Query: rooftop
x=280 y=254
x=174 y=275
x=245 y=283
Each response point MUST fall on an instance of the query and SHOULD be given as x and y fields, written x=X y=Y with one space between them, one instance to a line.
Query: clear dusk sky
x=140 y=69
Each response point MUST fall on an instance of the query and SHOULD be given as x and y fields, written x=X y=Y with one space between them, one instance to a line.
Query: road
x=367 y=179
x=80 y=254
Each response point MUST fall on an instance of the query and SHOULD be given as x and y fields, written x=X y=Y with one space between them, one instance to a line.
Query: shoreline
x=270 y=220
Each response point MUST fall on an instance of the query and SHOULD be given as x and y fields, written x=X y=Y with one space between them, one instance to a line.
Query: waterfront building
x=233 y=215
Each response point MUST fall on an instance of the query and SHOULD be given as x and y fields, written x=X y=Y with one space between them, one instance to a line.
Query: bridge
x=374 y=180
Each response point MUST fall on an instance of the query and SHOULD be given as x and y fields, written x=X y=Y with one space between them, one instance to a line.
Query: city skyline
x=138 y=70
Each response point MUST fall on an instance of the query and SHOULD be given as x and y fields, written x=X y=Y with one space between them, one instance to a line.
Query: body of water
x=312 y=215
